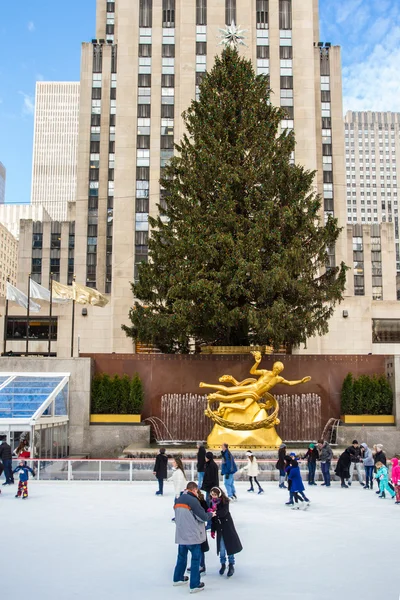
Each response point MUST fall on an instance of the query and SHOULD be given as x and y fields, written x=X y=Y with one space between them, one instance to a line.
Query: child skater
x=228 y=542
x=23 y=470
x=252 y=471
x=396 y=478
x=383 y=480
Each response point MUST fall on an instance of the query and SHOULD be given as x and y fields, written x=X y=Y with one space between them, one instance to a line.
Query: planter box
x=368 y=419
x=115 y=418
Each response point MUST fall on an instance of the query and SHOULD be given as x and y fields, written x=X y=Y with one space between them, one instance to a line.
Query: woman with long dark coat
x=282 y=464
x=211 y=475
x=222 y=526
x=343 y=467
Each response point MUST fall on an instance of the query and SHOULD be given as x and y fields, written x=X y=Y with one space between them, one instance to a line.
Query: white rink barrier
x=140 y=469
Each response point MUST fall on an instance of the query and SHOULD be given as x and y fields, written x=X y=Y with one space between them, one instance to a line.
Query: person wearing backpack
x=228 y=469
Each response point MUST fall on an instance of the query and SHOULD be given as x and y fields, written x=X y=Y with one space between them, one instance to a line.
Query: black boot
x=222 y=569
x=231 y=570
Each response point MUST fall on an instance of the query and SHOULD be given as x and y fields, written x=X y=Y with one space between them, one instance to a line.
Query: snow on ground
x=105 y=541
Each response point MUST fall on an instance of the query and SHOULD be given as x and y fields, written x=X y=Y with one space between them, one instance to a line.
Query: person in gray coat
x=190 y=519
x=325 y=456
x=369 y=463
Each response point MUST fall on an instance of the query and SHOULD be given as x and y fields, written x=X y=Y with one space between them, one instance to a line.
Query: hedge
x=366 y=395
x=116 y=395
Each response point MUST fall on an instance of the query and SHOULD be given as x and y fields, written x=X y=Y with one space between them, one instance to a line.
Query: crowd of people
x=204 y=505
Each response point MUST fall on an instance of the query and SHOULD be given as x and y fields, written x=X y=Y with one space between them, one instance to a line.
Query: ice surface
x=106 y=541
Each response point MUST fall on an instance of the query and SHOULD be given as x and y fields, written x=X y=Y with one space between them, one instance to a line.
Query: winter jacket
x=223 y=525
x=368 y=459
x=24 y=472
x=211 y=476
x=380 y=457
x=252 y=467
x=160 y=466
x=5 y=451
x=355 y=453
x=343 y=465
x=294 y=476
x=395 y=471
x=201 y=459
x=228 y=463
x=326 y=453
x=382 y=474
x=179 y=481
x=189 y=520
x=311 y=455
x=281 y=464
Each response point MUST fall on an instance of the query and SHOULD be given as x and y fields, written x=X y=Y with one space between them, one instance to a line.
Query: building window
x=285 y=14
x=97 y=59
x=168 y=13
x=38 y=328
x=201 y=12
x=262 y=14
x=145 y=13
x=230 y=11
x=385 y=331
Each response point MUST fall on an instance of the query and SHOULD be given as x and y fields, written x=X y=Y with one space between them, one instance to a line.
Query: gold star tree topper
x=232 y=36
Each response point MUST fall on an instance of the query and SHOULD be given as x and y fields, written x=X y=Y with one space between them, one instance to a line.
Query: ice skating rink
x=102 y=541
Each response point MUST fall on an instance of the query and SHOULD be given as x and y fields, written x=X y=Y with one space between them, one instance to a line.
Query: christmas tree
x=238 y=252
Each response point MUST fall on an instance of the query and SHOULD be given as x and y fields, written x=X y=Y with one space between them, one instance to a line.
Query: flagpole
x=5 y=326
x=51 y=311
x=28 y=314
x=73 y=321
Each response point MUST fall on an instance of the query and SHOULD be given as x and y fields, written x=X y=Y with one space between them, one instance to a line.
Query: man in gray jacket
x=190 y=519
x=325 y=456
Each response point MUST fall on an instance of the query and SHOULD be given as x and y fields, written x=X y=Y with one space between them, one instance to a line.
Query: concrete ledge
x=115 y=418
x=372 y=434
x=109 y=440
x=368 y=419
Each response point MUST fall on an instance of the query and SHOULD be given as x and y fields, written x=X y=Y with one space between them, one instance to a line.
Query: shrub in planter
x=347 y=395
x=366 y=395
x=125 y=395
x=136 y=395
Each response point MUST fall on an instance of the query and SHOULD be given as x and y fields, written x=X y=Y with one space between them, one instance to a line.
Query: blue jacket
x=382 y=474
x=297 y=482
x=24 y=472
x=228 y=466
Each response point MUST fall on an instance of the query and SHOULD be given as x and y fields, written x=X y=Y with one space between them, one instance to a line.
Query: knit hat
x=282 y=446
x=312 y=446
x=249 y=453
x=209 y=455
x=379 y=447
x=292 y=454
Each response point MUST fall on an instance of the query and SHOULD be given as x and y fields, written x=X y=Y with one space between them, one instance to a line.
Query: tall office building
x=372 y=145
x=2 y=183
x=55 y=147
x=139 y=75
x=8 y=259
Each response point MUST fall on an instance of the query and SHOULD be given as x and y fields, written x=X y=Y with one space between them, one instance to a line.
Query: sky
x=41 y=40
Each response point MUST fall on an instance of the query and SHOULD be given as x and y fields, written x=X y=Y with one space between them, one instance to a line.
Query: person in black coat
x=311 y=456
x=6 y=459
x=343 y=467
x=160 y=470
x=211 y=475
x=222 y=527
x=201 y=463
x=281 y=465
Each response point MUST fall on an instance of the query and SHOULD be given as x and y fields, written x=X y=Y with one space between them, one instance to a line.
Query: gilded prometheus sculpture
x=241 y=418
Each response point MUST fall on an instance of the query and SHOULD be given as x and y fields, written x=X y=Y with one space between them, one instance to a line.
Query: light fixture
x=345 y=314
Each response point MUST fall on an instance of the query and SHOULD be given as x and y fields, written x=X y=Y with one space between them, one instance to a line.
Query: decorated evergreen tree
x=238 y=253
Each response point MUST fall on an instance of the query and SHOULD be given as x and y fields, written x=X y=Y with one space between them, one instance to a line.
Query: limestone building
x=11 y=215
x=2 y=183
x=8 y=259
x=139 y=75
x=55 y=147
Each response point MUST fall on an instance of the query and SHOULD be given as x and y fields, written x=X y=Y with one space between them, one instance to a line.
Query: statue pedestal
x=247 y=439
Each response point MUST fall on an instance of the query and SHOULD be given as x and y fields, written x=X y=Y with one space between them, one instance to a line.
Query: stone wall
x=108 y=441
x=388 y=436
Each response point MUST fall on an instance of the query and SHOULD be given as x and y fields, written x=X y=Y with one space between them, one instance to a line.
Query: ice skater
x=252 y=471
x=396 y=478
x=311 y=456
x=368 y=461
x=160 y=470
x=23 y=471
x=222 y=526
x=383 y=480
x=178 y=476
x=343 y=467
x=281 y=465
x=296 y=486
x=228 y=470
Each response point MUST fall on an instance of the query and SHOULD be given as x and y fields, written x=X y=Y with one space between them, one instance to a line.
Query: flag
x=15 y=295
x=86 y=295
x=38 y=291
x=65 y=292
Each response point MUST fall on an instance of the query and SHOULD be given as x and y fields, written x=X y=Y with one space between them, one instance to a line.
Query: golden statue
x=241 y=419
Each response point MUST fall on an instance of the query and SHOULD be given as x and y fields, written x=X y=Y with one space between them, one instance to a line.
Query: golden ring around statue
x=270 y=421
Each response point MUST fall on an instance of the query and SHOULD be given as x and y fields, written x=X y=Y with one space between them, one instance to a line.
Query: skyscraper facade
x=139 y=75
x=372 y=146
x=55 y=147
x=2 y=183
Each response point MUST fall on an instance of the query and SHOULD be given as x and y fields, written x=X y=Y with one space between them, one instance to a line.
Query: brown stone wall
x=181 y=374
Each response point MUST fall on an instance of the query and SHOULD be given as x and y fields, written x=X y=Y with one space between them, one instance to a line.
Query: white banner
x=15 y=295
x=38 y=291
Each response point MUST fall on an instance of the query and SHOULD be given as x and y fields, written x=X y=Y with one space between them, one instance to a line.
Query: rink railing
x=138 y=469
